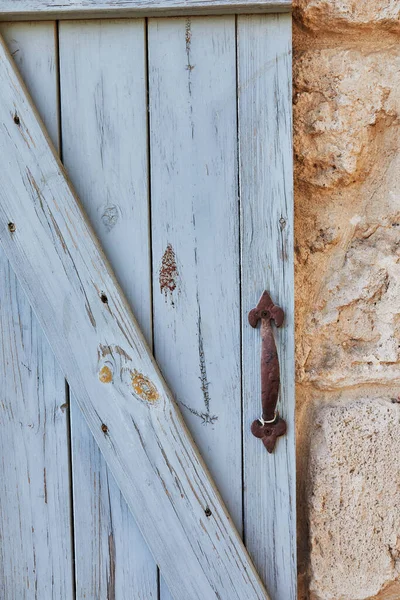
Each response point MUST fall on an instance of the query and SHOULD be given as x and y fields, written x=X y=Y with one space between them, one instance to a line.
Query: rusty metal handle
x=270 y=425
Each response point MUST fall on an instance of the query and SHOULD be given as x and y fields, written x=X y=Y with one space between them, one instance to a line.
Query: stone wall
x=347 y=197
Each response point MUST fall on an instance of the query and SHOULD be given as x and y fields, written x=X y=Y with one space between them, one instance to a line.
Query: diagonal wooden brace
x=111 y=371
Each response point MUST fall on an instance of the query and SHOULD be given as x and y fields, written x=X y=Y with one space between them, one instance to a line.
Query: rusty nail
x=11 y=227
x=16 y=119
x=104 y=428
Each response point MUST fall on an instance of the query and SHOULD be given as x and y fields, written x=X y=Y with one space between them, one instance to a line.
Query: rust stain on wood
x=168 y=275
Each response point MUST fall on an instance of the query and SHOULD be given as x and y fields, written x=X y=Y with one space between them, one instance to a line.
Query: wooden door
x=176 y=134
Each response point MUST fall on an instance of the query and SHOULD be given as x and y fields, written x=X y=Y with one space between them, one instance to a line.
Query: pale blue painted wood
x=266 y=197
x=195 y=247
x=118 y=386
x=195 y=239
x=104 y=143
x=35 y=510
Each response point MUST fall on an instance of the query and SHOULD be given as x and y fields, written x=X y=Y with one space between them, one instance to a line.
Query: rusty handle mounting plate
x=270 y=426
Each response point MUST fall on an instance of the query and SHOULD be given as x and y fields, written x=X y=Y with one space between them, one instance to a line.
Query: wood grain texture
x=112 y=559
x=33 y=48
x=266 y=190
x=107 y=363
x=104 y=134
x=195 y=224
x=78 y=9
x=35 y=529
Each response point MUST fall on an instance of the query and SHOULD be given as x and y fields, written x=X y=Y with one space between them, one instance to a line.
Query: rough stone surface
x=354 y=499
x=344 y=14
x=347 y=108
x=352 y=331
x=341 y=97
x=347 y=202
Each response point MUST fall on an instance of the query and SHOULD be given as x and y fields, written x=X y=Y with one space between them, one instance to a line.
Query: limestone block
x=354 y=500
x=351 y=332
x=344 y=14
x=342 y=96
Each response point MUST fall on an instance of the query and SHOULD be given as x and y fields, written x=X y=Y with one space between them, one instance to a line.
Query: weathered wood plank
x=79 y=9
x=104 y=143
x=106 y=361
x=112 y=559
x=33 y=48
x=195 y=224
x=35 y=529
x=266 y=190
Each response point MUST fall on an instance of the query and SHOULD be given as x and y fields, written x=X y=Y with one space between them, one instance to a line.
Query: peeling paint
x=143 y=387
x=206 y=417
x=110 y=350
x=203 y=371
x=189 y=68
x=188 y=39
x=105 y=374
x=188 y=34
x=168 y=275
x=110 y=216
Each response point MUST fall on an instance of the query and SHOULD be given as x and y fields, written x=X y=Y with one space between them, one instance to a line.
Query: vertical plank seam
x=58 y=86
x=240 y=274
x=150 y=222
x=71 y=487
x=67 y=388
x=150 y=227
